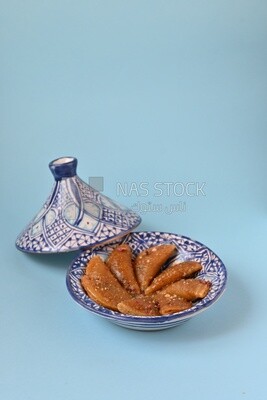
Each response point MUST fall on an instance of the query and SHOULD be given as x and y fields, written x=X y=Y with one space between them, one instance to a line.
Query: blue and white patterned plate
x=213 y=270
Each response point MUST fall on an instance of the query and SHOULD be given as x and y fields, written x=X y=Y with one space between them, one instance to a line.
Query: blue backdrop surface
x=149 y=96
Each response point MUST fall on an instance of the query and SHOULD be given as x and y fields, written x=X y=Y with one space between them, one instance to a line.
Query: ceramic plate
x=213 y=270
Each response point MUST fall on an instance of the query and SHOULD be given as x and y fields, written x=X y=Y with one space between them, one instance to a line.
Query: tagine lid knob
x=64 y=167
x=75 y=215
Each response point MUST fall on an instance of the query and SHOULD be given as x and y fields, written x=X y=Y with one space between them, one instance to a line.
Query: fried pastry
x=189 y=289
x=102 y=286
x=149 y=262
x=114 y=284
x=172 y=274
x=170 y=303
x=120 y=264
x=139 y=305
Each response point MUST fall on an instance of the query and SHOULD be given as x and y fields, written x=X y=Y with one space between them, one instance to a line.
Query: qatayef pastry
x=149 y=262
x=139 y=305
x=173 y=273
x=120 y=264
x=114 y=283
x=169 y=304
x=189 y=289
x=102 y=286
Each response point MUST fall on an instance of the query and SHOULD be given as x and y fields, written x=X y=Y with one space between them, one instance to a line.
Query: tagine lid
x=75 y=215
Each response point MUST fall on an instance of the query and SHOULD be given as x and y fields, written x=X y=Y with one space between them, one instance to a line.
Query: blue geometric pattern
x=75 y=216
x=213 y=270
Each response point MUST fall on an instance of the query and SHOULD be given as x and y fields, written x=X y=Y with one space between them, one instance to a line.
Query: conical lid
x=75 y=215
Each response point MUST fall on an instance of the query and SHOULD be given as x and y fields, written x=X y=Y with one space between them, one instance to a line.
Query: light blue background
x=153 y=91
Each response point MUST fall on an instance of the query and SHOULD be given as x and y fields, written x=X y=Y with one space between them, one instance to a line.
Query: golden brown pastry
x=120 y=264
x=149 y=262
x=170 y=303
x=102 y=286
x=113 y=284
x=189 y=289
x=139 y=305
x=172 y=274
